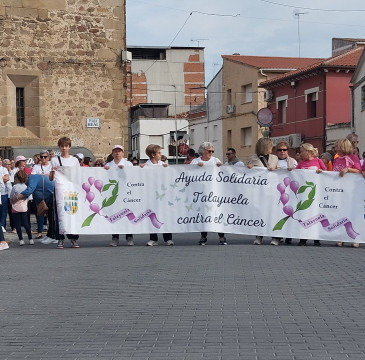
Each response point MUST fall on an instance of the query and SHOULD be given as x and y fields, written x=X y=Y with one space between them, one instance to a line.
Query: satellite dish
x=264 y=117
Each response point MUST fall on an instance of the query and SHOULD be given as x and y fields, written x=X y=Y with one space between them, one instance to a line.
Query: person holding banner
x=154 y=153
x=263 y=157
x=310 y=161
x=285 y=162
x=119 y=162
x=206 y=151
x=65 y=159
x=346 y=162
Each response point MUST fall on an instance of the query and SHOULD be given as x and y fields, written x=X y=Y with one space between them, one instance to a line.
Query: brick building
x=61 y=63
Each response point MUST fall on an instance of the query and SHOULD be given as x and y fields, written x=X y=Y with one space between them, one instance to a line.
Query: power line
x=314 y=9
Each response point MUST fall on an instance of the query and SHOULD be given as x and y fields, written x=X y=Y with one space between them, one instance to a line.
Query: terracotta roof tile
x=348 y=59
x=272 y=62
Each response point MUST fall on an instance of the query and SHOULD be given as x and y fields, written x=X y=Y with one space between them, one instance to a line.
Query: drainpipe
x=324 y=140
x=352 y=109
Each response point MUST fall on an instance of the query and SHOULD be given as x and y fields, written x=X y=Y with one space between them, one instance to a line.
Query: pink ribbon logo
x=330 y=227
x=135 y=219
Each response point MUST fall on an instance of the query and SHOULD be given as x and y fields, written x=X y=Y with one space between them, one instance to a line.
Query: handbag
x=42 y=207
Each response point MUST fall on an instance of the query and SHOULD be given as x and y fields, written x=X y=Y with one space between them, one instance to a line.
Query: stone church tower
x=61 y=63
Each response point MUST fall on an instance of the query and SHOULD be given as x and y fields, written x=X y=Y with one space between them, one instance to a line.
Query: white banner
x=228 y=199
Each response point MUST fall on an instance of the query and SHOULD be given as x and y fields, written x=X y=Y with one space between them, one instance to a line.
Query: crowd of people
x=25 y=190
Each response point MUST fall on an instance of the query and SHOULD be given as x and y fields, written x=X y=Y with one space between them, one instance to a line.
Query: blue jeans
x=21 y=219
x=3 y=210
x=40 y=223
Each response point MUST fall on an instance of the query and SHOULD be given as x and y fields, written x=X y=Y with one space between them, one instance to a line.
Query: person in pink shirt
x=346 y=162
x=20 y=206
x=310 y=161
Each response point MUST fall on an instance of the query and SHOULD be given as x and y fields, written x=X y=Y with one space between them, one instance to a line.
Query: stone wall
x=66 y=56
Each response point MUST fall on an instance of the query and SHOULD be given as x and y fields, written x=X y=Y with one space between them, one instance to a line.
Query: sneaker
x=287 y=241
x=222 y=241
x=203 y=241
x=275 y=241
x=339 y=243
x=114 y=242
x=4 y=245
x=47 y=240
x=60 y=244
x=152 y=243
x=74 y=244
x=3 y=229
x=169 y=243
x=317 y=243
x=302 y=242
x=258 y=240
x=130 y=241
x=21 y=242
x=31 y=242
x=355 y=245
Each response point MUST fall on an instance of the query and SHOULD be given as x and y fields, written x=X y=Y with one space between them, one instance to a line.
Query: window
x=192 y=137
x=246 y=94
x=281 y=105
x=20 y=106
x=246 y=136
x=229 y=97
x=157 y=140
x=311 y=98
x=215 y=132
x=229 y=138
x=311 y=106
x=24 y=102
x=363 y=98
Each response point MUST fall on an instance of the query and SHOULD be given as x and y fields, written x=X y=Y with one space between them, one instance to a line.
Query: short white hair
x=204 y=146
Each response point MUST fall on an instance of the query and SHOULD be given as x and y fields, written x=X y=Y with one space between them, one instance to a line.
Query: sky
x=246 y=27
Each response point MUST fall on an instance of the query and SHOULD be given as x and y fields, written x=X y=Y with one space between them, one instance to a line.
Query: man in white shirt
x=66 y=159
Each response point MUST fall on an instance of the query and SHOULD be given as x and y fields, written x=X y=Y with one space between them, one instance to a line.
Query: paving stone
x=182 y=302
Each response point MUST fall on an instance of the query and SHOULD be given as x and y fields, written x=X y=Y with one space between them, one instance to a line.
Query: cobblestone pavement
x=182 y=302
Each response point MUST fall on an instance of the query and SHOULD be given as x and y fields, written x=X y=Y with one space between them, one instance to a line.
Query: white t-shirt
x=42 y=169
x=70 y=161
x=283 y=163
x=149 y=163
x=212 y=161
x=123 y=162
x=3 y=187
x=238 y=163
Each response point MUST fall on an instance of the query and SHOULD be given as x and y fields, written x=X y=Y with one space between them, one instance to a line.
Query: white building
x=169 y=80
x=150 y=124
x=207 y=125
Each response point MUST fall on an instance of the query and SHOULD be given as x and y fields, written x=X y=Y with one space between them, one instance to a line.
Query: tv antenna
x=298 y=14
x=198 y=40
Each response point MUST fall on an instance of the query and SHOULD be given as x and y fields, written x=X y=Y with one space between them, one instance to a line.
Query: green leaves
x=302 y=205
x=281 y=223
x=108 y=201
x=88 y=220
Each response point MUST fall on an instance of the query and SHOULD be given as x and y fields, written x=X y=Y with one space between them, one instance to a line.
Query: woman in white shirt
x=206 y=151
x=43 y=167
x=119 y=162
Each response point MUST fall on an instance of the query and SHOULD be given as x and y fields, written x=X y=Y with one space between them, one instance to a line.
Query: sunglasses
x=210 y=151
x=282 y=150
x=44 y=157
